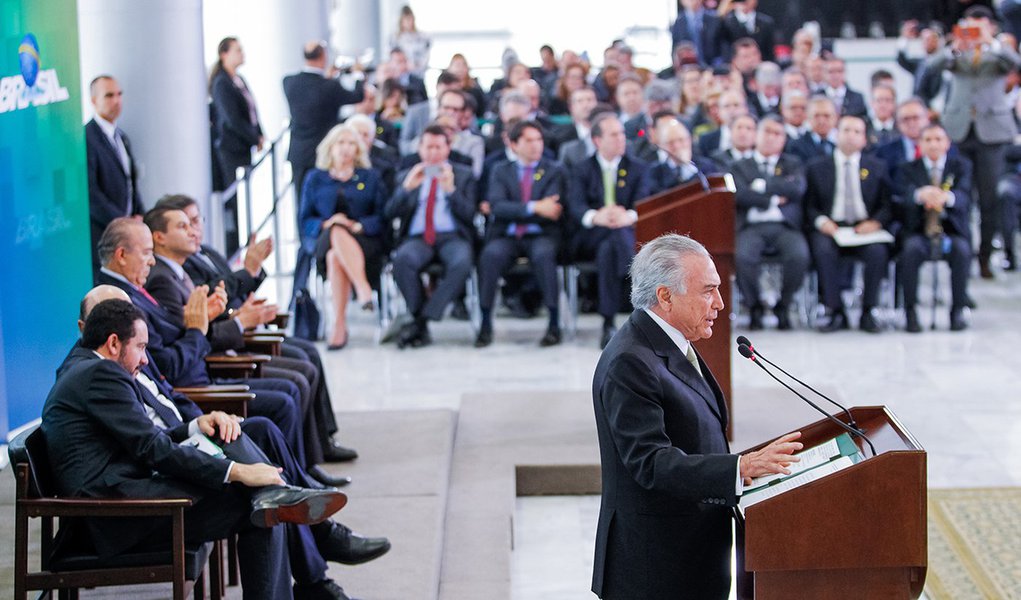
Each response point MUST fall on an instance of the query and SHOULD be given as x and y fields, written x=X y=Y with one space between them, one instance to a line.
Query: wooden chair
x=67 y=563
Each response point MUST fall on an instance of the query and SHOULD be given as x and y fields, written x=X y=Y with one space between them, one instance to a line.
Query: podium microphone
x=746 y=351
x=742 y=340
x=698 y=172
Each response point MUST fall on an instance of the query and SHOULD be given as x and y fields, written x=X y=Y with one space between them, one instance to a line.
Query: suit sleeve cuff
x=530 y=207
x=633 y=215
x=241 y=327
x=951 y=199
x=226 y=476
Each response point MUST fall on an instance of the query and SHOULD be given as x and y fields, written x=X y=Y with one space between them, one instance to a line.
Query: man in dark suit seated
x=770 y=187
x=660 y=97
x=794 y=109
x=647 y=146
x=674 y=164
x=601 y=200
x=820 y=141
x=935 y=197
x=435 y=202
x=848 y=189
x=179 y=417
x=174 y=241
x=669 y=480
x=847 y=101
x=881 y=127
x=113 y=174
x=103 y=445
x=742 y=142
x=524 y=198
x=764 y=98
x=126 y=250
x=912 y=117
x=207 y=267
x=732 y=104
x=747 y=22
x=700 y=26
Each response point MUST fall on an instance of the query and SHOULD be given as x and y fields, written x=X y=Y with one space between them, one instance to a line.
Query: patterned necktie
x=526 y=196
x=609 y=188
x=430 y=207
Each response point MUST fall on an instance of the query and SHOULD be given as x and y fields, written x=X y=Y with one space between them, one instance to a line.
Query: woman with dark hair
x=393 y=103
x=572 y=79
x=236 y=124
x=342 y=223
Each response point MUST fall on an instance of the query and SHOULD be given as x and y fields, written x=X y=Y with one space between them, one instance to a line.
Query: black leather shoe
x=290 y=504
x=970 y=302
x=755 y=321
x=836 y=322
x=484 y=338
x=550 y=338
x=337 y=543
x=316 y=472
x=783 y=317
x=608 y=331
x=911 y=321
x=868 y=322
x=336 y=453
x=322 y=590
x=957 y=322
x=983 y=268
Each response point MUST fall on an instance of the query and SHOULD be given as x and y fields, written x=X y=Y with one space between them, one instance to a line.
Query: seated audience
x=821 y=139
x=673 y=164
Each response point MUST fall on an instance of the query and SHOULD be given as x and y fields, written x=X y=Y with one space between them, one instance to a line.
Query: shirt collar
x=841 y=158
x=106 y=126
x=675 y=336
x=176 y=268
x=117 y=276
x=940 y=164
x=877 y=124
x=607 y=165
x=769 y=160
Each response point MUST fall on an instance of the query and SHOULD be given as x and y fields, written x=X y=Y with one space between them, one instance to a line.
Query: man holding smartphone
x=978 y=114
x=435 y=203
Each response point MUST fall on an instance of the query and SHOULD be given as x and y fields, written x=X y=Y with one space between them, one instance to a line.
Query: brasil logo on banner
x=33 y=87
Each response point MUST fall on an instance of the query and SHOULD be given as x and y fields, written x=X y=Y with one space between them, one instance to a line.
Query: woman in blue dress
x=341 y=218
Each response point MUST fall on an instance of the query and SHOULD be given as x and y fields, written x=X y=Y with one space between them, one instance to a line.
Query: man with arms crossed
x=669 y=479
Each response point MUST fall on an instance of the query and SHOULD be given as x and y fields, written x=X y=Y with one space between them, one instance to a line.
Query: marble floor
x=957 y=392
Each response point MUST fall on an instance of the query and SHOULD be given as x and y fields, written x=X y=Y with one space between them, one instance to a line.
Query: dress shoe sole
x=314 y=508
x=548 y=341
x=364 y=558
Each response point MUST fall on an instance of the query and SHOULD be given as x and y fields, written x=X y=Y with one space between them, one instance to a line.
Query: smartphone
x=432 y=171
x=967 y=34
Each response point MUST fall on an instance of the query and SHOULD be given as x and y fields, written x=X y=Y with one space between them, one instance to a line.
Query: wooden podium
x=857 y=533
x=706 y=216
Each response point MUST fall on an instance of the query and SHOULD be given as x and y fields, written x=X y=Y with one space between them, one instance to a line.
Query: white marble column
x=154 y=49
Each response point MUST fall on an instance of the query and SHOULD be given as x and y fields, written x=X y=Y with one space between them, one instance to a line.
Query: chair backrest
x=29 y=448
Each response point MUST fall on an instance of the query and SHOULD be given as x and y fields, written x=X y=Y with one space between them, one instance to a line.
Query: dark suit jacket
x=586 y=189
x=764 y=35
x=108 y=184
x=180 y=353
x=238 y=283
x=504 y=195
x=667 y=475
x=787 y=180
x=102 y=445
x=806 y=149
x=709 y=142
x=403 y=204
x=171 y=293
x=709 y=42
x=876 y=189
x=415 y=90
x=315 y=103
x=854 y=104
x=235 y=133
x=661 y=176
x=956 y=179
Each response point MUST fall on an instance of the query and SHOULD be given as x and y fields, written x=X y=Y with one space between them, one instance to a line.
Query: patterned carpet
x=974 y=544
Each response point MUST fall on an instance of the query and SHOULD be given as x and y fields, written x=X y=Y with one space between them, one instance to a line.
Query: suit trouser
x=613 y=250
x=988 y=161
x=263 y=442
x=322 y=404
x=1009 y=190
x=791 y=249
x=827 y=257
x=916 y=250
x=277 y=400
x=303 y=266
x=414 y=255
x=500 y=252
x=301 y=373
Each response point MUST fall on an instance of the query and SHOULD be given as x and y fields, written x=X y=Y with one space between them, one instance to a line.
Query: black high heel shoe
x=334 y=347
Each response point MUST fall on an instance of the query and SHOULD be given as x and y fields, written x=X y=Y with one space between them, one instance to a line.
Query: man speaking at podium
x=669 y=480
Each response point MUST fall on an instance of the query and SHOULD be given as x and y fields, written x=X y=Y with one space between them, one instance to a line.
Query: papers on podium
x=816 y=462
x=846 y=237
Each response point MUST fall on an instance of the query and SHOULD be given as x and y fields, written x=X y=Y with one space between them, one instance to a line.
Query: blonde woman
x=341 y=221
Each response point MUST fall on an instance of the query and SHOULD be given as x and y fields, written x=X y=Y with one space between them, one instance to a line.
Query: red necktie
x=430 y=206
x=526 y=196
x=146 y=293
x=918 y=152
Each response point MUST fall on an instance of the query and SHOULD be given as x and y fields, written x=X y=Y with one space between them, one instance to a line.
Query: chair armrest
x=240 y=367
x=263 y=343
x=212 y=389
x=103 y=507
x=281 y=320
x=233 y=403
